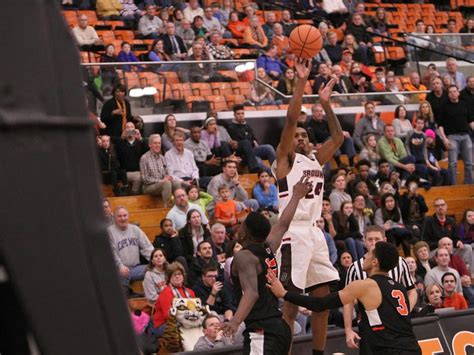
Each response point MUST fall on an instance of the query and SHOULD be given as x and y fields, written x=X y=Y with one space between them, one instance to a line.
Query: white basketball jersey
x=309 y=208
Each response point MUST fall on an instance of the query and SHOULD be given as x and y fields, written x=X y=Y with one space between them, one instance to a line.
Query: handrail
x=439 y=43
x=117 y=64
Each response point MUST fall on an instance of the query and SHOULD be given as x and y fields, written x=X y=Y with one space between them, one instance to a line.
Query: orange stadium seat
x=159 y=95
x=107 y=37
x=241 y=88
x=180 y=91
x=124 y=35
x=201 y=89
x=149 y=79
x=132 y=80
x=234 y=100
x=221 y=89
x=190 y=99
x=171 y=77
x=229 y=73
x=218 y=103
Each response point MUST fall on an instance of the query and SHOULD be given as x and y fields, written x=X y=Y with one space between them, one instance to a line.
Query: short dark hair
x=382 y=161
x=379 y=69
x=208 y=268
x=369 y=103
x=387 y=255
x=257 y=226
x=237 y=107
x=419 y=21
x=453 y=86
x=201 y=243
x=229 y=161
x=362 y=162
x=448 y=274
x=162 y=222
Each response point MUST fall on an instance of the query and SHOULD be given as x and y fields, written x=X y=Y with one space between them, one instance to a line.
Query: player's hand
x=325 y=91
x=352 y=339
x=229 y=328
x=302 y=187
x=303 y=67
x=275 y=285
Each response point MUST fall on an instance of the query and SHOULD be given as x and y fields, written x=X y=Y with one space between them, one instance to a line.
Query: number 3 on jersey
x=316 y=191
x=402 y=304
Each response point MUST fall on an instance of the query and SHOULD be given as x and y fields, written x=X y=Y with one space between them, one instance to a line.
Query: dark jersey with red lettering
x=267 y=304
x=389 y=326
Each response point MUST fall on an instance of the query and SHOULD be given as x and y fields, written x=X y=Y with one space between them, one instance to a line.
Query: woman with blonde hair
x=369 y=153
x=260 y=94
x=426 y=113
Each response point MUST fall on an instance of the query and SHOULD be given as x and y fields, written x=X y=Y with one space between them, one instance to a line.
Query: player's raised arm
x=330 y=147
x=285 y=150
x=300 y=190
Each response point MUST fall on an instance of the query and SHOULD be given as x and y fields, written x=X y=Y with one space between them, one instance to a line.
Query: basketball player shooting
x=303 y=257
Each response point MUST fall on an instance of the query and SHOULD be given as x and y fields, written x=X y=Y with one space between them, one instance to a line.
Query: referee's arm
x=409 y=283
x=352 y=337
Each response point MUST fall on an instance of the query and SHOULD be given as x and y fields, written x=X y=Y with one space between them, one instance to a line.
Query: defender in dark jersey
x=265 y=330
x=386 y=323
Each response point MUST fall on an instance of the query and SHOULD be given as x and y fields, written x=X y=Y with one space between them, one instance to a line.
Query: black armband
x=317 y=304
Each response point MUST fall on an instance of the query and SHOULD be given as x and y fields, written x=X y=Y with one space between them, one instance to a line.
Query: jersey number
x=402 y=304
x=316 y=191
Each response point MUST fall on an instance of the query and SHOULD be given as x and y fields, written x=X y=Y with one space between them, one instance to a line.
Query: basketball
x=305 y=41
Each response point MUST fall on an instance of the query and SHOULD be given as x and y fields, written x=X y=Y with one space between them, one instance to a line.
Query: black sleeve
x=317 y=304
x=281 y=87
x=106 y=113
x=129 y=111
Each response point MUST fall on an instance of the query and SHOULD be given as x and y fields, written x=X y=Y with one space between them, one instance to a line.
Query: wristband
x=213 y=295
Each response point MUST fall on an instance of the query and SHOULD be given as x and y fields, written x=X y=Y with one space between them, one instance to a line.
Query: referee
x=399 y=273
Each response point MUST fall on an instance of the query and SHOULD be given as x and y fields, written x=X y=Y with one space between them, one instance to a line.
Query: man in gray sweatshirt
x=128 y=242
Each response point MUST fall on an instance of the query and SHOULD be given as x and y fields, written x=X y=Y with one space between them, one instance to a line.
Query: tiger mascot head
x=183 y=326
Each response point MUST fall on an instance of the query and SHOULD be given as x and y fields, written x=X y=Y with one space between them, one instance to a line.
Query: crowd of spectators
x=195 y=172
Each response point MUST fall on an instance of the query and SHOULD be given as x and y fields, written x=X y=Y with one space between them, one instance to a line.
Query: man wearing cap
x=435 y=153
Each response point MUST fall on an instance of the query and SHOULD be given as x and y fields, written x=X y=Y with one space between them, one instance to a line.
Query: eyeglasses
x=440 y=205
x=212 y=276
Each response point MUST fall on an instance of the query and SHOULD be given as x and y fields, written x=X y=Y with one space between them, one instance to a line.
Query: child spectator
x=198 y=197
x=226 y=209
x=155 y=280
x=265 y=192
x=466 y=227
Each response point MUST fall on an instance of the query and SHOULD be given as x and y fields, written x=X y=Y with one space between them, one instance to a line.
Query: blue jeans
x=136 y=273
x=420 y=169
x=265 y=152
x=460 y=143
x=355 y=247
x=251 y=204
x=347 y=148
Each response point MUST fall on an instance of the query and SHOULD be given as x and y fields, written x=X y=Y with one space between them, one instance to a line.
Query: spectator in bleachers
x=126 y=55
x=361 y=81
x=155 y=278
x=430 y=74
x=110 y=167
x=220 y=51
x=433 y=276
x=156 y=181
x=363 y=175
x=175 y=286
x=216 y=141
x=130 y=13
x=130 y=149
x=466 y=229
x=362 y=213
x=323 y=77
x=460 y=266
x=170 y=128
x=108 y=73
x=178 y=213
x=383 y=174
x=358 y=53
x=265 y=192
x=186 y=33
x=174 y=44
x=370 y=123
x=434 y=152
x=235 y=26
x=230 y=177
x=287 y=22
x=128 y=242
x=358 y=29
x=415 y=85
x=395 y=99
x=370 y=154
x=254 y=36
x=434 y=297
x=86 y=36
x=361 y=188
x=447 y=81
x=343 y=263
x=326 y=213
x=240 y=131
x=198 y=27
x=468 y=41
x=212 y=23
x=424 y=263
x=344 y=83
x=270 y=21
x=204 y=257
x=393 y=150
x=320 y=128
x=379 y=23
x=421 y=40
x=207 y=163
x=451 y=297
x=367 y=19
x=457 y=77
x=439 y=225
x=192 y=10
x=413 y=208
x=273 y=66
x=233 y=248
x=108 y=214
x=213 y=337
x=329 y=241
x=198 y=197
x=348 y=236
x=279 y=40
x=379 y=82
x=177 y=18
x=467 y=94
x=452 y=40
x=401 y=123
x=169 y=242
x=150 y=25
x=333 y=49
x=108 y=9
x=389 y=217
x=192 y=234
x=260 y=94
x=287 y=84
x=426 y=114
x=338 y=194
x=225 y=210
x=437 y=98
x=215 y=293
x=455 y=123
x=219 y=243
x=116 y=112
x=180 y=163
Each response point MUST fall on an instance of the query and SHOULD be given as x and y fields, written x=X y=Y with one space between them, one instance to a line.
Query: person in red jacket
x=175 y=276
x=451 y=297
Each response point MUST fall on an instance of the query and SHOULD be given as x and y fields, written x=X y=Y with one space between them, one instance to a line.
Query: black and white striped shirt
x=399 y=273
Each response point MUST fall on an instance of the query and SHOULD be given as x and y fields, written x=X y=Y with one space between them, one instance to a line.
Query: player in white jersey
x=303 y=256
